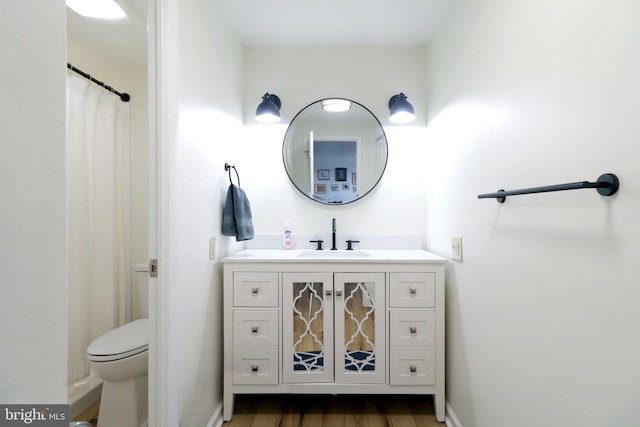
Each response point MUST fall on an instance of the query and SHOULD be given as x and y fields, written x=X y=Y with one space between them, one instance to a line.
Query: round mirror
x=335 y=151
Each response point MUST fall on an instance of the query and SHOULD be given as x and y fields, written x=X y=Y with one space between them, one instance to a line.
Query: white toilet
x=120 y=359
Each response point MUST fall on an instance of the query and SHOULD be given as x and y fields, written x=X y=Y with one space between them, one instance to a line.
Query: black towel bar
x=606 y=185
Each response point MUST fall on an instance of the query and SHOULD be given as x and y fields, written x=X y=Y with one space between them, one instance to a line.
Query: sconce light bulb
x=267 y=118
x=402 y=117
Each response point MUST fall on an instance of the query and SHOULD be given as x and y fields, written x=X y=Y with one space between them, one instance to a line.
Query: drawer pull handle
x=328 y=292
x=413 y=290
x=339 y=292
x=255 y=290
x=254 y=329
x=254 y=368
x=413 y=329
x=413 y=369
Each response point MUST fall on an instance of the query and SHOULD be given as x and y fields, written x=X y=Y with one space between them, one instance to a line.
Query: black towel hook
x=227 y=167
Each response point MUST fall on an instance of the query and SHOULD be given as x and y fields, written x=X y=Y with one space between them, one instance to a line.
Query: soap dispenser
x=287 y=242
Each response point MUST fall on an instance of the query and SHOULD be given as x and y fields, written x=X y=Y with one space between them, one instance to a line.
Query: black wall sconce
x=400 y=110
x=269 y=109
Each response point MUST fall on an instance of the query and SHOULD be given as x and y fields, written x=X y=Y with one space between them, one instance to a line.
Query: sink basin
x=334 y=254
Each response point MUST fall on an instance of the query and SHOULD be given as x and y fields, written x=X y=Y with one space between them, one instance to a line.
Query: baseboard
x=216 y=419
x=451 y=420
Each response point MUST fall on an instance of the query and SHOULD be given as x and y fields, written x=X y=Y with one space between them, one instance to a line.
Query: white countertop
x=343 y=256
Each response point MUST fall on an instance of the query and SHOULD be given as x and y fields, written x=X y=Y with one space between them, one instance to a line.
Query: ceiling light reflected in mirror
x=336 y=105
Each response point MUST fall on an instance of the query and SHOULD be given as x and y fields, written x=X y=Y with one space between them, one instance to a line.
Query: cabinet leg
x=439 y=405
x=227 y=406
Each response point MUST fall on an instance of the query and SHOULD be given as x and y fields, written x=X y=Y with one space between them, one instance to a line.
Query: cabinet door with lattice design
x=360 y=328
x=307 y=327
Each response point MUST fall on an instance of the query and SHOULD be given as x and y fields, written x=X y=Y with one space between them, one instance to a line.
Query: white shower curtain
x=99 y=265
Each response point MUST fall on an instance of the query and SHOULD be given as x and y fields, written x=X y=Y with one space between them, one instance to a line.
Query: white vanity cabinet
x=333 y=328
x=299 y=322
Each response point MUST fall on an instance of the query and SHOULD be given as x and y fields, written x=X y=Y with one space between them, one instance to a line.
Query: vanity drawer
x=255 y=289
x=412 y=290
x=412 y=366
x=255 y=365
x=255 y=328
x=412 y=328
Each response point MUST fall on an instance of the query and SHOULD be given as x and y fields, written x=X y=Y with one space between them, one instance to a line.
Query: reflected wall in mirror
x=335 y=157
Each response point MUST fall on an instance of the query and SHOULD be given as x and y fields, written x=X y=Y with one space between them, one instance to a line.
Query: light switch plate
x=212 y=248
x=456 y=248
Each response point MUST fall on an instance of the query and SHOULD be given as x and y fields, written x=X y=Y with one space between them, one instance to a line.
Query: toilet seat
x=126 y=341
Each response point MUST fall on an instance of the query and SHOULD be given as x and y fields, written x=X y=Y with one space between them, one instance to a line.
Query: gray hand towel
x=236 y=216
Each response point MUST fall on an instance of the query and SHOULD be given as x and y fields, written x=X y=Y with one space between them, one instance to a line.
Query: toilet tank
x=140 y=292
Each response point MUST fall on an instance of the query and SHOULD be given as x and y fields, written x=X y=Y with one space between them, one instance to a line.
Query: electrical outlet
x=456 y=248
x=212 y=248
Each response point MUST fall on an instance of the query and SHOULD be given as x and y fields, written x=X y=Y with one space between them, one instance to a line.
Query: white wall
x=33 y=310
x=543 y=312
x=203 y=78
x=302 y=75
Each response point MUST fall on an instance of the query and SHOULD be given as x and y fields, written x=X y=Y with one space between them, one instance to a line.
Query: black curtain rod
x=124 y=97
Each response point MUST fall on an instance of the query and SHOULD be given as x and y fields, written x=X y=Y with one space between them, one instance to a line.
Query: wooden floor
x=333 y=411
x=90 y=415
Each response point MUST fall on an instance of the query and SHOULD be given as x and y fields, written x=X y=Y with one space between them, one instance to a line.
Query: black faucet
x=319 y=244
x=333 y=235
x=351 y=242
